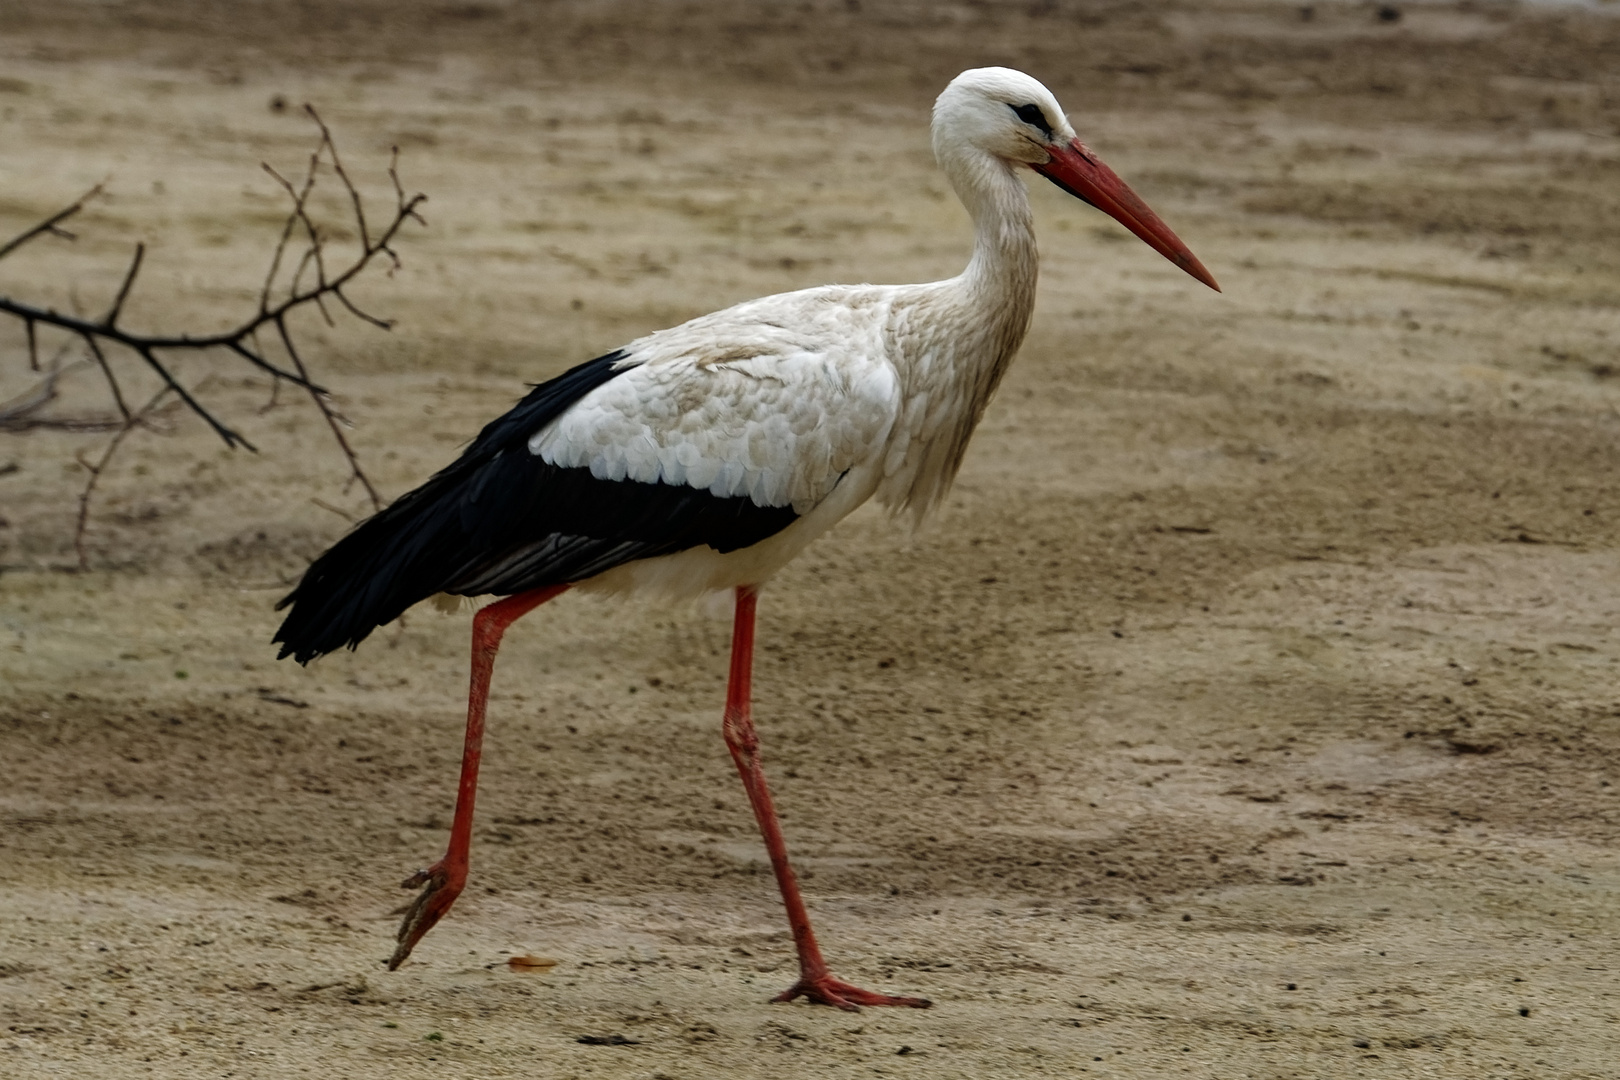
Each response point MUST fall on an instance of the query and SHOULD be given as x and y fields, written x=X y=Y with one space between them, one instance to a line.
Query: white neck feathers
x=976 y=322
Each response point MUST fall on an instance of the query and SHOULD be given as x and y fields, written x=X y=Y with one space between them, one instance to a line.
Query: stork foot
x=440 y=887
x=826 y=990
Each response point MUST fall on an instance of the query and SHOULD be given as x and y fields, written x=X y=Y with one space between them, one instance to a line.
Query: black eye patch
x=1032 y=115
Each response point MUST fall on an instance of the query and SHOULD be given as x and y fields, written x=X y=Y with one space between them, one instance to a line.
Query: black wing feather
x=500 y=520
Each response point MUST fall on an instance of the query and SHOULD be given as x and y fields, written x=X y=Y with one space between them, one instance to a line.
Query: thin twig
x=232 y=438
x=323 y=402
x=275 y=384
x=107 y=371
x=123 y=290
x=21 y=413
x=393 y=174
x=286 y=234
x=51 y=224
x=381 y=324
x=338 y=510
x=81 y=526
x=337 y=167
x=274 y=400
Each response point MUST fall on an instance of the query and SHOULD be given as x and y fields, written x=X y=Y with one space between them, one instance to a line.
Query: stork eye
x=1032 y=115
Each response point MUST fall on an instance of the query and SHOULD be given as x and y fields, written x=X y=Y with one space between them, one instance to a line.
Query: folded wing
x=644 y=452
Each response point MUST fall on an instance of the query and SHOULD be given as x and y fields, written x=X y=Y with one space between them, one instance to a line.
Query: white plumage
x=774 y=399
x=873 y=390
x=708 y=455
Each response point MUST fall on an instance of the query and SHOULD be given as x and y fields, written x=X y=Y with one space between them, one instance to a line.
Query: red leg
x=445 y=879
x=815 y=982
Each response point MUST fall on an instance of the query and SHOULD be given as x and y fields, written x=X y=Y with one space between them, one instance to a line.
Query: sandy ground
x=1251 y=710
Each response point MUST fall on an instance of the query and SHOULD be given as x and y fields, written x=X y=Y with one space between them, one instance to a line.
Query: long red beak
x=1082 y=174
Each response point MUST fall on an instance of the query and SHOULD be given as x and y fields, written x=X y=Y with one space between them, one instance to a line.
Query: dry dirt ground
x=1252 y=709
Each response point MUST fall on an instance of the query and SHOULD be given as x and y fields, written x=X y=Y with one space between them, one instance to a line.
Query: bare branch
x=323 y=402
x=300 y=214
x=274 y=400
x=21 y=413
x=337 y=167
x=339 y=511
x=287 y=228
x=317 y=278
x=232 y=438
x=123 y=290
x=258 y=361
x=393 y=174
x=143 y=344
x=381 y=324
x=107 y=371
x=51 y=224
x=81 y=526
x=300 y=198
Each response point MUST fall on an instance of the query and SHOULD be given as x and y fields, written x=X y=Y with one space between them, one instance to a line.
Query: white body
x=825 y=398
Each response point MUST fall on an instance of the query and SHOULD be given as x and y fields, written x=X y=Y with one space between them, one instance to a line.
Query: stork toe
x=439 y=891
x=826 y=990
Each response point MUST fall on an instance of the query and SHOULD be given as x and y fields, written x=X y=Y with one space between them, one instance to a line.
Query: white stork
x=706 y=456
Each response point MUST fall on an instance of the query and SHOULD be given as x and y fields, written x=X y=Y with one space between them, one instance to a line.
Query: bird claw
x=428 y=907
x=422 y=877
x=826 y=990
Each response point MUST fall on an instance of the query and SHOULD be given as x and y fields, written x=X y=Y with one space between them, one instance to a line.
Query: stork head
x=1007 y=114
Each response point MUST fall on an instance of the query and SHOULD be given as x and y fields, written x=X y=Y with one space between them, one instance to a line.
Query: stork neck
x=984 y=313
x=1000 y=278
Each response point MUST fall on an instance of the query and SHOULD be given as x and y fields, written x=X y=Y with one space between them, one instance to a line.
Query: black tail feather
x=409 y=551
